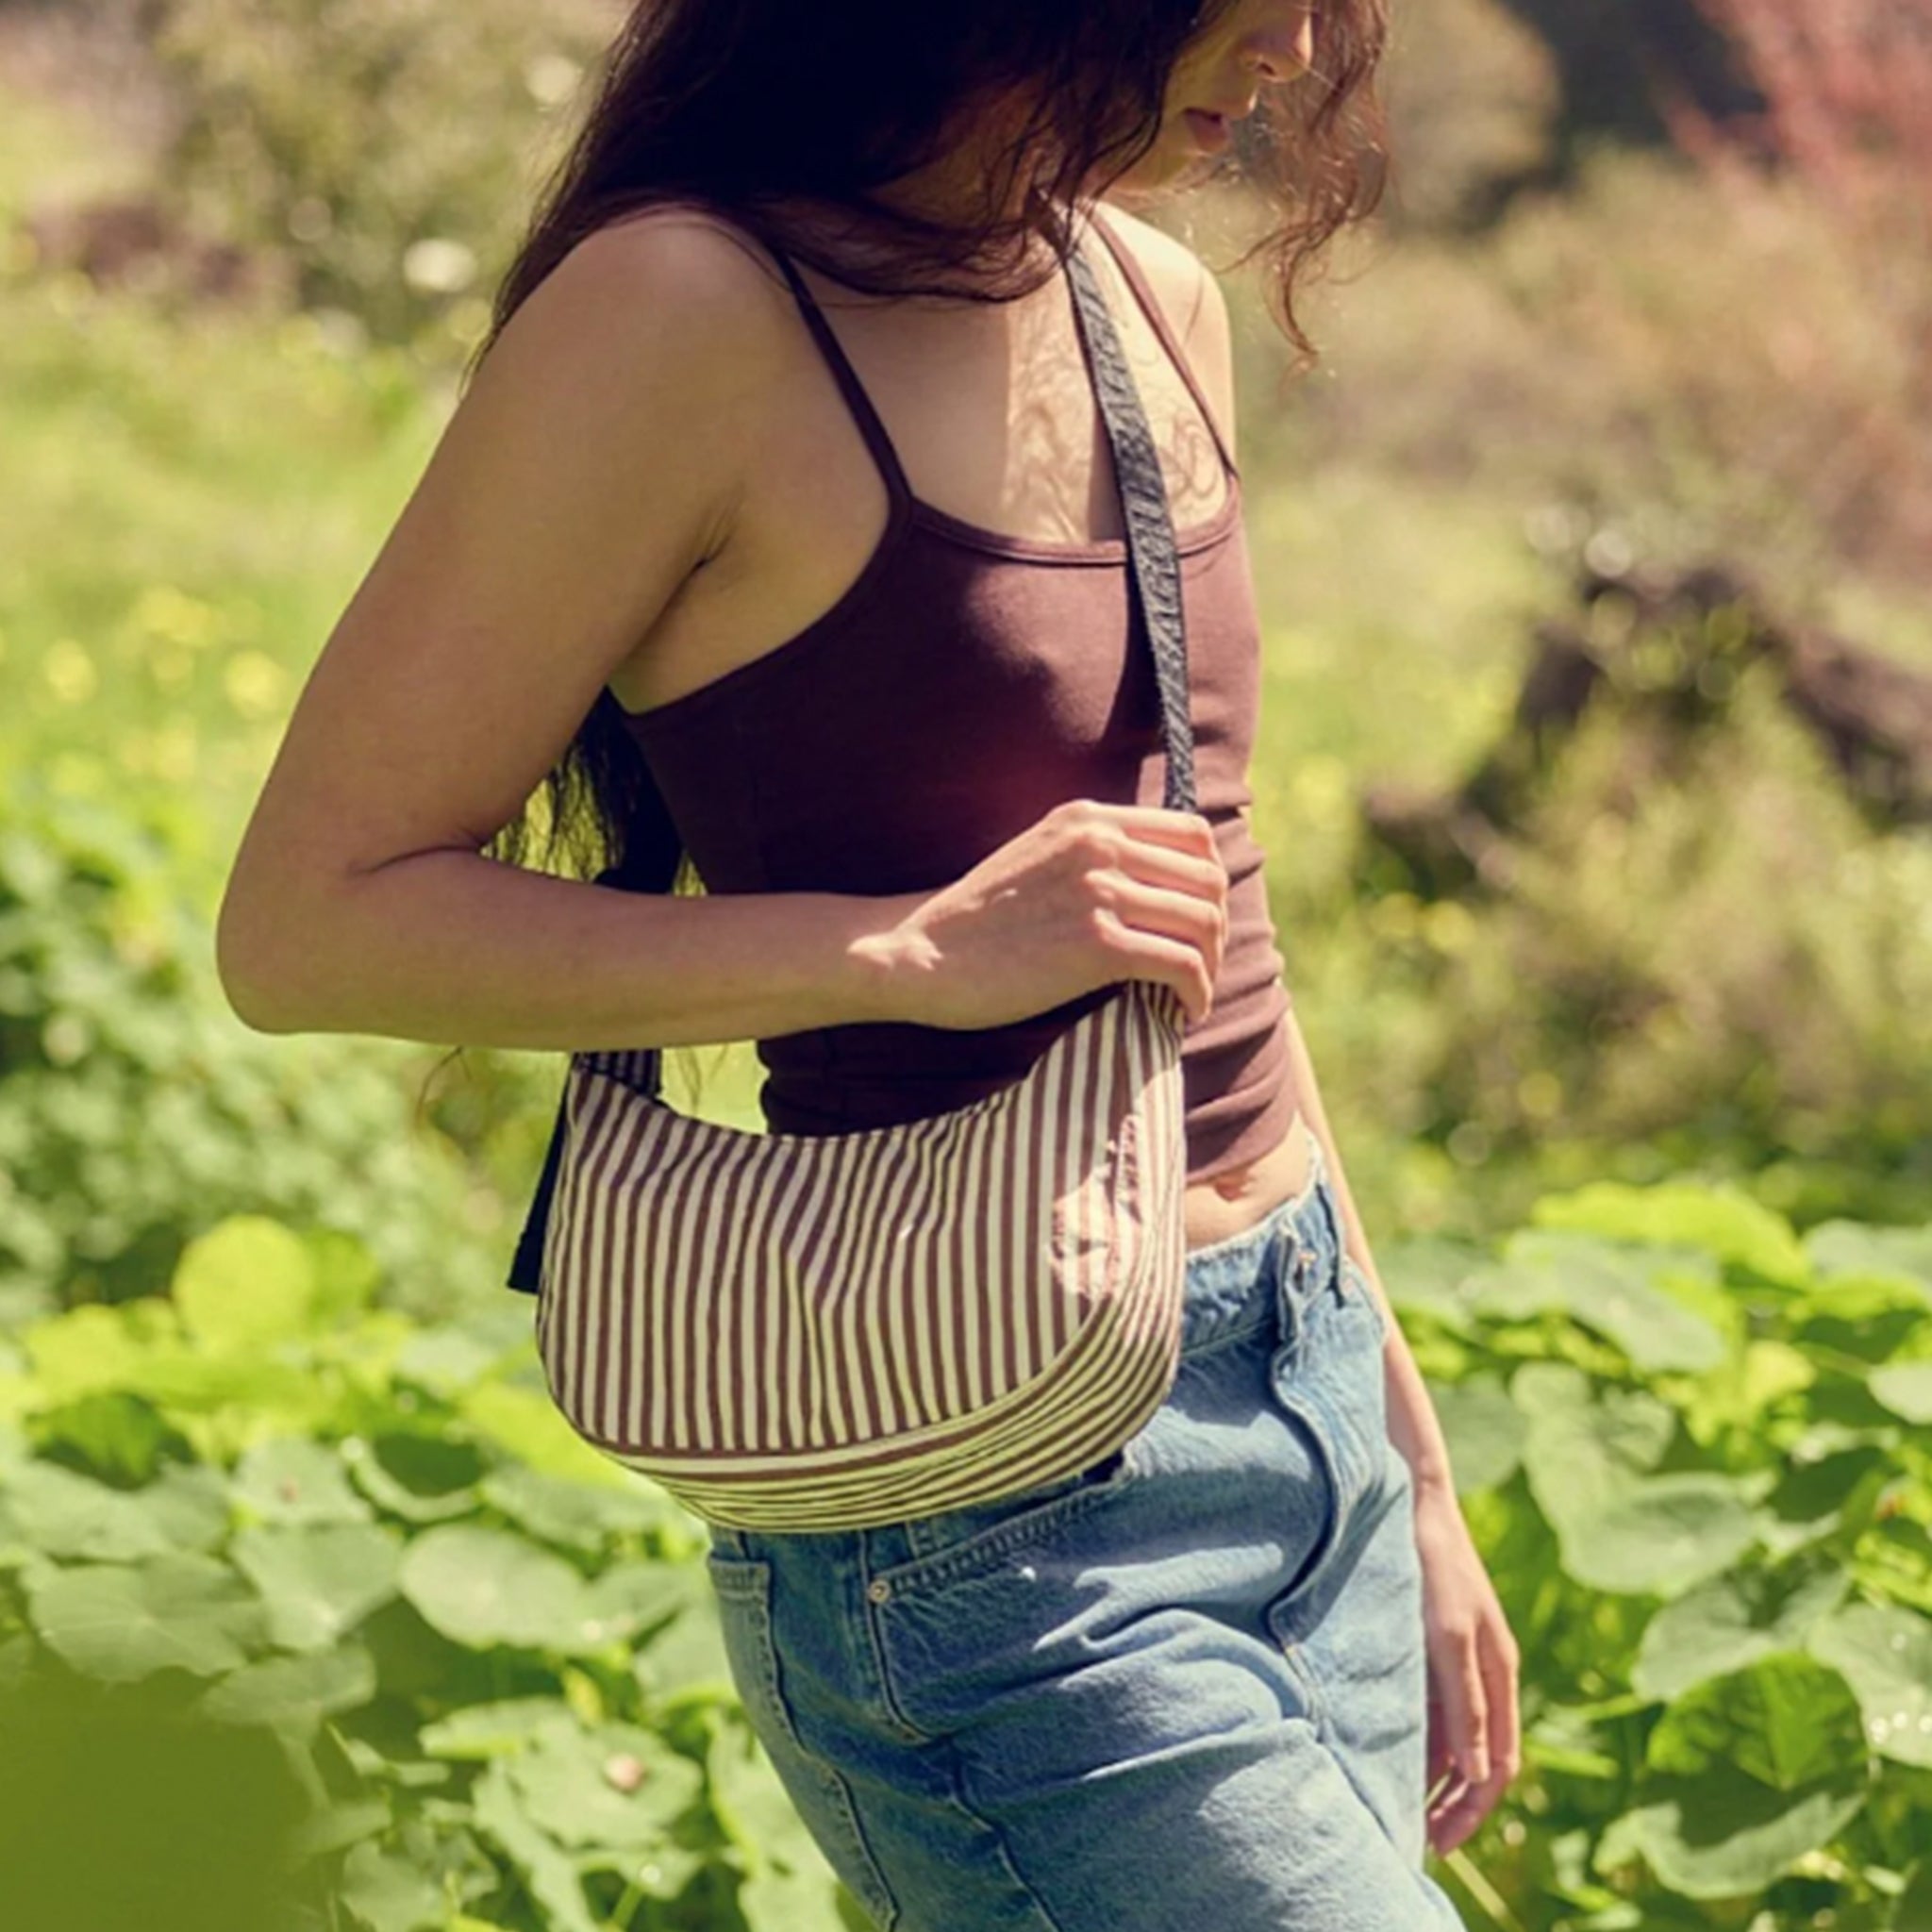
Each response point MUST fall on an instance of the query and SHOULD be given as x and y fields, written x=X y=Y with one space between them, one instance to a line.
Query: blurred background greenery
x=1595 y=772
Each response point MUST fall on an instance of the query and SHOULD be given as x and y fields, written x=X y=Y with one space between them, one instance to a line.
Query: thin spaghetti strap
x=1137 y=281
x=870 y=424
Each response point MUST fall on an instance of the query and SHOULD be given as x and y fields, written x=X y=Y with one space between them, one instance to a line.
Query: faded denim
x=1182 y=1688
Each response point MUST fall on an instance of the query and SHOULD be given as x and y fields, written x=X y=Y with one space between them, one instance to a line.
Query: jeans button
x=878 y=1591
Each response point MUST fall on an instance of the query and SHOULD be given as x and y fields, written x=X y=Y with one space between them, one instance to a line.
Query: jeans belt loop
x=1293 y=1260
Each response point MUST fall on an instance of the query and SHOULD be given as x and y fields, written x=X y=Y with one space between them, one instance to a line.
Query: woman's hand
x=1089 y=894
x=1473 y=1662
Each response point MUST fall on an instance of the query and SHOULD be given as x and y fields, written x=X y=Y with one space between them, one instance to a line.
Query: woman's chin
x=1173 y=162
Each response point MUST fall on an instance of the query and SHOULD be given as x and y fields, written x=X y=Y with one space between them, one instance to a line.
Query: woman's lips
x=1210 y=132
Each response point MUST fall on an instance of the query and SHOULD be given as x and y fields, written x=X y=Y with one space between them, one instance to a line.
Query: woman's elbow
x=245 y=965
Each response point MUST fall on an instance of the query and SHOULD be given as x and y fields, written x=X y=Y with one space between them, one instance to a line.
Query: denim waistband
x=1239 y=1282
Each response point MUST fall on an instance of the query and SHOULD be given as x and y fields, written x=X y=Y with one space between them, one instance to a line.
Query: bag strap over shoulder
x=1150 y=525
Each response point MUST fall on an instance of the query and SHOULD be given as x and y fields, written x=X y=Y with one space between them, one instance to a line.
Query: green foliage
x=390 y=144
x=490 y=1654
x=136 y=1110
x=1711 y=919
x=119 y=1806
x=486 y=1657
x=1685 y=1440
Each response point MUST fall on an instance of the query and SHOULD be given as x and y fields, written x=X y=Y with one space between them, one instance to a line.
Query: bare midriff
x=1226 y=1205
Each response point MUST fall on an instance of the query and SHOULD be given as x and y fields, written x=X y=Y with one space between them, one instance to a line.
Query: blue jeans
x=1183 y=1686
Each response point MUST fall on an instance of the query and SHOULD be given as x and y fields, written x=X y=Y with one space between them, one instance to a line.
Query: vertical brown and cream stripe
x=887 y=1322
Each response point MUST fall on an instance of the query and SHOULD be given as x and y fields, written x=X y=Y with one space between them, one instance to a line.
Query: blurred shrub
x=1473 y=102
x=1735 y=362
x=1847 y=123
x=391 y=146
x=1699 y=950
x=136 y=1110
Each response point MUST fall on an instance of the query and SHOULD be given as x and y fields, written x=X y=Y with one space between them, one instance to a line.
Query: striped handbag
x=824 y=1332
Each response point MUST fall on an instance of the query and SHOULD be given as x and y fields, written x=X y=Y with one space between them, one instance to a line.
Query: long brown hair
x=745 y=108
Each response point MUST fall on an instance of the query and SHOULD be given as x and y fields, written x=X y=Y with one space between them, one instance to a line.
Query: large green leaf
x=190 y=1502
x=94 y=1349
x=685 y=1658
x=121 y=1623
x=550 y=1874
x=388 y=1895
x=422 y=1478
x=1483 y=1427
x=498 y=1729
x=116 y=1433
x=1885 y=1651
x=345 y=1275
x=335 y=1827
x=1736 y=1394
x=1431 y=1275
x=620 y=1786
x=1904 y=1388
x=184 y=1377
x=578 y=1515
x=483 y=1587
x=788 y=1885
x=1581 y=1448
x=65 y=1514
x=1659 y=1536
x=293 y=1481
x=1719 y=1219
x=245 y=1283
x=1786 y=1720
x=1603 y=1287
x=1727 y=1622
x=632 y=1597
x=1724 y=1834
x=319 y=1583
x=293 y=1692
x=445 y=1361
x=1842 y=1248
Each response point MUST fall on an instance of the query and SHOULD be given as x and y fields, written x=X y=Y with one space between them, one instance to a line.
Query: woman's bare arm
x=594 y=464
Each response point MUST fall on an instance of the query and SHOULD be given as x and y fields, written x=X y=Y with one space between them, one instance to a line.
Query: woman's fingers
x=1479 y=1744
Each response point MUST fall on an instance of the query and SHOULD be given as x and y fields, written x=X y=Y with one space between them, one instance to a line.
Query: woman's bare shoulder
x=688 y=259
x=1192 y=299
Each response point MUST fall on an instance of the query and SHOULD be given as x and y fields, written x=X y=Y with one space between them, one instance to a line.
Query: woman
x=776 y=522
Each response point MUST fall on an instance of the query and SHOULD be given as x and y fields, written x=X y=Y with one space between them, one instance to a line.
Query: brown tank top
x=967 y=682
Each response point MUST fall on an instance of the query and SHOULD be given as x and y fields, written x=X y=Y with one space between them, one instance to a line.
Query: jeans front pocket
x=958 y=1540
x=819 y=1793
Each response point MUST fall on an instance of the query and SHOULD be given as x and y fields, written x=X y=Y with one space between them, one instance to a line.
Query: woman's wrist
x=886 y=955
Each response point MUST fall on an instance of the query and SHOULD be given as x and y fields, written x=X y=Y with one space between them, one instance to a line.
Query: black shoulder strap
x=1150 y=525
x=639 y=1067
